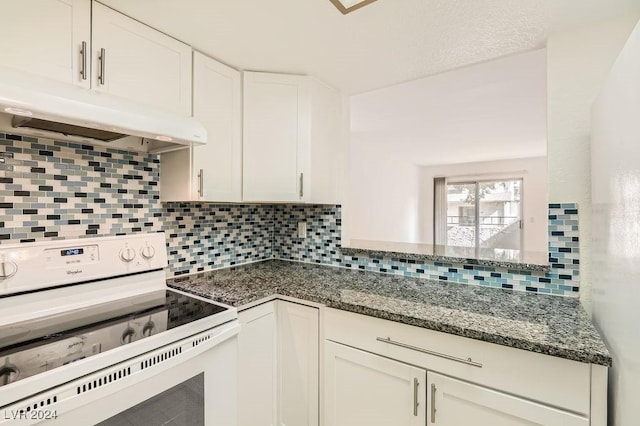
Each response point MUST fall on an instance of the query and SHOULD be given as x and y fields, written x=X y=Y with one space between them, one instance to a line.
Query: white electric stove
x=90 y=333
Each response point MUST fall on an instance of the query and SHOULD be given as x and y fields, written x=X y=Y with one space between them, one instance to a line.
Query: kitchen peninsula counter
x=551 y=325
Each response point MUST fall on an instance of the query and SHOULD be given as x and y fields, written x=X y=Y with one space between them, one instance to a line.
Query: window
x=484 y=214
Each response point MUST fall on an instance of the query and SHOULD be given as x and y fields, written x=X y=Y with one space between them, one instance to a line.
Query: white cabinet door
x=137 y=62
x=211 y=172
x=217 y=103
x=293 y=143
x=176 y=176
x=456 y=403
x=366 y=389
x=257 y=366
x=45 y=37
x=298 y=364
x=327 y=145
x=274 y=137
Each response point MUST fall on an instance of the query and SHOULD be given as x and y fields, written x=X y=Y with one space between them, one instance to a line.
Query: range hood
x=34 y=105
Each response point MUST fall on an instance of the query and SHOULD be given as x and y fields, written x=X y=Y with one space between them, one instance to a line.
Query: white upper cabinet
x=291 y=134
x=137 y=62
x=88 y=44
x=275 y=128
x=217 y=103
x=211 y=172
x=326 y=145
x=47 y=37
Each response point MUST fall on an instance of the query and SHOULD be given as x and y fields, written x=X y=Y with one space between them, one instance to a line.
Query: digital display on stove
x=71 y=252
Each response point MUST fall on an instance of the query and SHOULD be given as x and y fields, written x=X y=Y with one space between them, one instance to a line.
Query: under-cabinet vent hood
x=38 y=106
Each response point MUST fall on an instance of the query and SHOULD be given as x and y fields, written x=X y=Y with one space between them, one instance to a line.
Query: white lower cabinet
x=257 y=366
x=367 y=389
x=371 y=367
x=278 y=365
x=453 y=402
x=377 y=372
x=298 y=341
x=362 y=388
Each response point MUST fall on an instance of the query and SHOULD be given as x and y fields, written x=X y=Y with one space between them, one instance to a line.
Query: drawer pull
x=83 y=60
x=201 y=183
x=301 y=185
x=102 y=58
x=433 y=402
x=415 y=396
x=467 y=361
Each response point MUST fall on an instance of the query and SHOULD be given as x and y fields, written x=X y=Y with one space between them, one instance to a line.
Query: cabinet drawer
x=550 y=380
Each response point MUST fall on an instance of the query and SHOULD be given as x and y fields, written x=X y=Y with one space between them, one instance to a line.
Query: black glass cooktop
x=39 y=345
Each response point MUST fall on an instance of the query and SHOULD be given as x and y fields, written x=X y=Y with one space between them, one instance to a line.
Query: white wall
x=383 y=196
x=490 y=111
x=533 y=172
x=577 y=64
x=616 y=228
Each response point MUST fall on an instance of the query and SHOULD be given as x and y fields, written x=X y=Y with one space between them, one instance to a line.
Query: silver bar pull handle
x=301 y=185
x=433 y=402
x=415 y=396
x=83 y=60
x=467 y=361
x=201 y=183
x=101 y=62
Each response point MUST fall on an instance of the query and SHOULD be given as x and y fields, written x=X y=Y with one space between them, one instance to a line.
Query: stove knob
x=148 y=328
x=127 y=254
x=8 y=374
x=7 y=269
x=127 y=335
x=147 y=252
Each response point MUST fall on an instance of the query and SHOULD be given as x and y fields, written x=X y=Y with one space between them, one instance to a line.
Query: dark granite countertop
x=500 y=258
x=551 y=325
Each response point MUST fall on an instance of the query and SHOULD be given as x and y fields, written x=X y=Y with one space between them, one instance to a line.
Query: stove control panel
x=72 y=255
x=34 y=266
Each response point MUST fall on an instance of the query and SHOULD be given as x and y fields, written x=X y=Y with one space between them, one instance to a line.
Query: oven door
x=190 y=382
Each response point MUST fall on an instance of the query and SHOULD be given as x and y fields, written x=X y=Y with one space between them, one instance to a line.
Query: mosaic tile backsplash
x=323 y=243
x=67 y=190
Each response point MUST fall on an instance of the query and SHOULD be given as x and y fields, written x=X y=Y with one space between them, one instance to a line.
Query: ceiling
x=391 y=42
x=490 y=111
x=384 y=43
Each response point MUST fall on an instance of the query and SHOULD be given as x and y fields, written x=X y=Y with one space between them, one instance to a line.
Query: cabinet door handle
x=415 y=396
x=433 y=402
x=201 y=183
x=83 y=60
x=467 y=361
x=301 y=185
x=101 y=61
